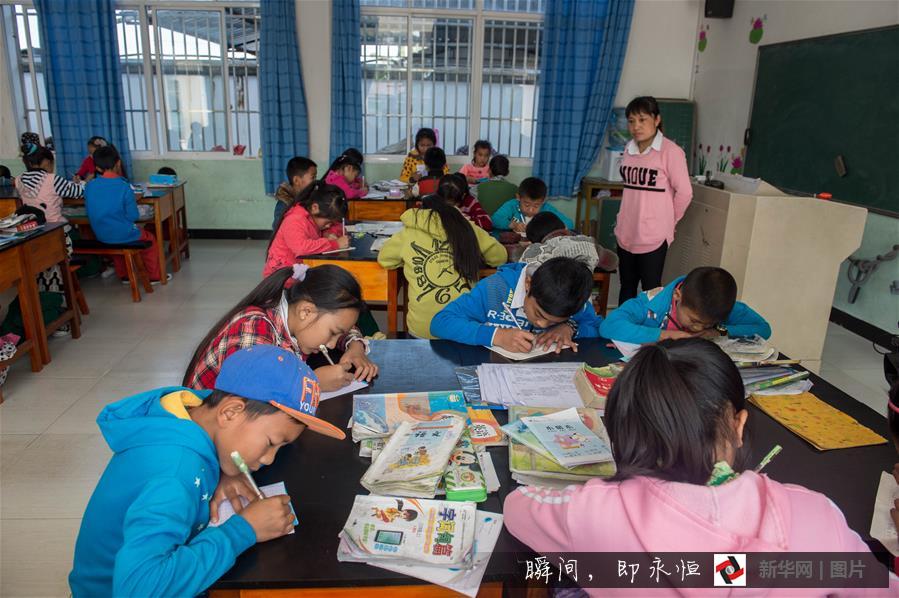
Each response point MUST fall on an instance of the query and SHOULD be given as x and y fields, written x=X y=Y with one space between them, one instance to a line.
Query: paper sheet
x=816 y=422
x=882 y=526
x=535 y=352
x=627 y=349
x=489 y=471
x=226 y=511
x=351 y=387
x=466 y=582
x=378 y=243
x=540 y=384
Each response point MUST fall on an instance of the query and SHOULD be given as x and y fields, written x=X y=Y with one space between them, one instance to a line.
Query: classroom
x=432 y=298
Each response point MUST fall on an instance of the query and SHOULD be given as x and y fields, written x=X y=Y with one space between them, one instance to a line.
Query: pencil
x=767 y=459
x=324 y=350
x=752 y=364
x=514 y=319
x=777 y=381
x=242 y=466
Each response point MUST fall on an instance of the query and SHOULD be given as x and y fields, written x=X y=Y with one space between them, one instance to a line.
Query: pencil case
x=463 y=478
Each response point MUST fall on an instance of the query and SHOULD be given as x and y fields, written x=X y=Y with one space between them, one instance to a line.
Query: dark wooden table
x=322 y=474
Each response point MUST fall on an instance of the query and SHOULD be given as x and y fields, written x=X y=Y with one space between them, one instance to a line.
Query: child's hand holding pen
x=514 y=339
x=231 y=488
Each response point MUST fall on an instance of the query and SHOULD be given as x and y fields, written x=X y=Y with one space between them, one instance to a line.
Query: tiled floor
x=51 y=453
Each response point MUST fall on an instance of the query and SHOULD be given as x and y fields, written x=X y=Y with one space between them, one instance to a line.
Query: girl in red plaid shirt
x=299 y=309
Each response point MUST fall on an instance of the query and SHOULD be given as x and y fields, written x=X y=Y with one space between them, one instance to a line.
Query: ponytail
x=893 y=411
x=330 y=200
x=670 y=408
x=329 y=288
x=459 y=232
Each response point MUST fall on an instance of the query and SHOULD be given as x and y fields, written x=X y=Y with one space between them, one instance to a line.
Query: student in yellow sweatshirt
x=440 y=252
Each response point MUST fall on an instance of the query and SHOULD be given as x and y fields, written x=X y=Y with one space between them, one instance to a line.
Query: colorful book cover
x=409 y=530
x=463 y=479
x=523 y=460
x=484 y=429
x=594 y=384
x=378 y=415
x=568 y=440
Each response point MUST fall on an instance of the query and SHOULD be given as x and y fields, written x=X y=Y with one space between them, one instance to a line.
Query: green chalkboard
x=827 y=97
x=679 y=123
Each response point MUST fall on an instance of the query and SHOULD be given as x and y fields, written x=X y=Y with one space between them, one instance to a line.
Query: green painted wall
x=875 y=304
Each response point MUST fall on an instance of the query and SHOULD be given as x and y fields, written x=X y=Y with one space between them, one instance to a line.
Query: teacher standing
x=656 y=194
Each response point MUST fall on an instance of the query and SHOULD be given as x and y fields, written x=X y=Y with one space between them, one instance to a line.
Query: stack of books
x=780 y=380
x=446 y=543
x=414 y=460
x=747 y=349
x=557 y=447
x=378 y=415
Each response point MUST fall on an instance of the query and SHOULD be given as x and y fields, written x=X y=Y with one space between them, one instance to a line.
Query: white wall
x=314 y=33
x=660 y=49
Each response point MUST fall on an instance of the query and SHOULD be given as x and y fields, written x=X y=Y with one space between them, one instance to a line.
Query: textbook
x=525 y=461
x=484 y=429
x=533 y=384
x=378 y=415
x=413 y=461
x=566 y=437
x=463 y=479
x=409 y=531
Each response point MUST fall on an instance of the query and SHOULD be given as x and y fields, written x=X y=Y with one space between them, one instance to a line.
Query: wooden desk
x=42 y=249
x=9 y=201
x=587 y=197
x=12 y=273
x=322 y=476
x=174 y=215
x=378 y=285
x=378 y=209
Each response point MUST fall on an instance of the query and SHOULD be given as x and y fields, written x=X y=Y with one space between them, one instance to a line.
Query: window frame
x=479 y=17
x=154 y=82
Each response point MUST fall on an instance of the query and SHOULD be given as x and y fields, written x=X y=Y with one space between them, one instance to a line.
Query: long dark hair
x=671 y=407
x=329 y=288
x=351 y=157
x=461 y=236
x=330 y=200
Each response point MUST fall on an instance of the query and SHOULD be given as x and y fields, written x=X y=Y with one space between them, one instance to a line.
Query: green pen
x=242 y=466
x=767 y=459
x=777 y=381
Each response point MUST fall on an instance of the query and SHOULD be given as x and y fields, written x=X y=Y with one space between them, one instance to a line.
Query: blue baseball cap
x=278 y=377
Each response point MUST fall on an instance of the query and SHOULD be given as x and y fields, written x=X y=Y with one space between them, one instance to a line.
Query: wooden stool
x=76 y=287
x=130 y=252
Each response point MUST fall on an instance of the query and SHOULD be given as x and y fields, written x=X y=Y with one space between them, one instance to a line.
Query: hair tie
x=893 y=406
x=299 y=272
x=32 y=148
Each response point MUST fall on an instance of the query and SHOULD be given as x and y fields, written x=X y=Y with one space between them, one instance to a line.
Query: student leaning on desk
x=146 y=530
x=543 y=299
x=702 y=303
x=300 y=309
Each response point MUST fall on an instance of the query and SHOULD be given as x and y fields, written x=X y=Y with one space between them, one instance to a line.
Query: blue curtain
x=582 y=57
x=84 y=85
x=346 y=77
x=285 y=120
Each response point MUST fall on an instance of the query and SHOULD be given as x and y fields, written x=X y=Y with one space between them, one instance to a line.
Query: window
x=18 y=24
x=189 y=75
x=470 y=73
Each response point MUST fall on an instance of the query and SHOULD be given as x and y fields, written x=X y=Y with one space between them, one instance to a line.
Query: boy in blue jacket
x=702 y=303
x=112 y=212
x=517 y=212
x=146 y=528
x=523 y=305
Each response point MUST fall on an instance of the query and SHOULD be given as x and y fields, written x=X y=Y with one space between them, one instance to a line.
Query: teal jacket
x=640 y=320
x=502 y=218
x=144 y=531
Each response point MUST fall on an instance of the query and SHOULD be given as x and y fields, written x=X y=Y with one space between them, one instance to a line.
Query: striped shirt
x=33 y=179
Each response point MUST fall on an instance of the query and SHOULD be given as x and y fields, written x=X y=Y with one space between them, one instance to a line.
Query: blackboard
x=821 y=98
x=679 y=124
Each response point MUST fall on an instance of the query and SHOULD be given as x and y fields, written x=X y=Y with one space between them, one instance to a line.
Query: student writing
x=676 y=418
x=440 y=252
x=299 y=309
x=313 y=224
x=530 y=201
x=301 y=172
x=703 y=303
x=145 y=531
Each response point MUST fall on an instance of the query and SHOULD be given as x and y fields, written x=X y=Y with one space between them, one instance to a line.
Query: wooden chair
x=76 y=287
x=130 y=252
x=493 y=194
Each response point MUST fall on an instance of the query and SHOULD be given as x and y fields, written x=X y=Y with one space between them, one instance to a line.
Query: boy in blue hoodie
x=145 y=531
x=516 y=213
x=702 y=303
x=523 y=304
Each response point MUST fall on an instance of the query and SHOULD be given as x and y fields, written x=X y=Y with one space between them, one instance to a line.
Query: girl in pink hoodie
x=313 y=224
x=346 y=172
x=675 y=419
x=656 y=194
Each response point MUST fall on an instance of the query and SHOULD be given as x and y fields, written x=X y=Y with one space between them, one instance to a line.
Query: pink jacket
x=752 y=513
x=476 y=172
x=297 y=235
x=351 y=190
x=656 y=194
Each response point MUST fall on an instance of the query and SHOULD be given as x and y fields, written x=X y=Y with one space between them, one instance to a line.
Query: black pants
x=644 y=269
